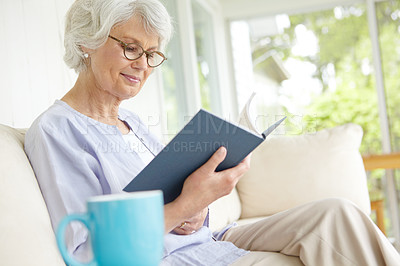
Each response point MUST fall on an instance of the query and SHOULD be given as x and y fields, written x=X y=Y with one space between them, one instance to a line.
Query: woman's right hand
x=203 y=187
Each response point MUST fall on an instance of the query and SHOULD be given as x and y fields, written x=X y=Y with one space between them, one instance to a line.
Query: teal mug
x=125 y=229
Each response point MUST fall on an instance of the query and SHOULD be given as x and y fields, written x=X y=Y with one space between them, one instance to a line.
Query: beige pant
x=328 y=232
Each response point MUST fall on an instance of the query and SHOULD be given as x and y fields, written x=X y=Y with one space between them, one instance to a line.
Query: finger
x=248 y=156
x=247 y=160
x=215 y=160
x=185 y=228
x=238 y=171
x=180 y=231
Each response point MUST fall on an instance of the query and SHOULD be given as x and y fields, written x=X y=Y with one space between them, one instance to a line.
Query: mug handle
x=69 y=260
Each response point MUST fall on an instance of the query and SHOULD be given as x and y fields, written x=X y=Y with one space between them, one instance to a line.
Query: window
x=319 y=67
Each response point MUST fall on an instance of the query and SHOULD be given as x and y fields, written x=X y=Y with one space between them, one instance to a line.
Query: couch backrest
x=26 y=233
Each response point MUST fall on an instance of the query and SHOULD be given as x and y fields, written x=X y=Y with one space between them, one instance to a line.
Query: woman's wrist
x=174 y=214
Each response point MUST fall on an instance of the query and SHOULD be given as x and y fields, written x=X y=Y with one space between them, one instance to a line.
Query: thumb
x=215 y=160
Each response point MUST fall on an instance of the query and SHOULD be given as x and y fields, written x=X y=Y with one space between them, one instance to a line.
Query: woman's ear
x=86 y=51
x=86 y=54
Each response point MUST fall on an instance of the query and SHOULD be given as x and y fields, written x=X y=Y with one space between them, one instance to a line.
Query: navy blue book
x=191 y=148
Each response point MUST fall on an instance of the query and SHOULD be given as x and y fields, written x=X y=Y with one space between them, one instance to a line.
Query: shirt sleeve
x=67 y=175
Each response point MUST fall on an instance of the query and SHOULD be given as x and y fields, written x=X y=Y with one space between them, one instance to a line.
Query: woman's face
x=111 y=71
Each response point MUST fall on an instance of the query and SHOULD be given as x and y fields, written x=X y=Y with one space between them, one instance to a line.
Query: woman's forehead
x=133 y=30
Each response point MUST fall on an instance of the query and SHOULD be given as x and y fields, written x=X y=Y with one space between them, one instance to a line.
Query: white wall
x=32 y=71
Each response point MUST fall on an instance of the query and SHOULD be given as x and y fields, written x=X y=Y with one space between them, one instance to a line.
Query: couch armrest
x=27 y=237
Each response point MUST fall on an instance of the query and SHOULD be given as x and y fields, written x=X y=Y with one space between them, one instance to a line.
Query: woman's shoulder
x=59 y=119
x=55 y=117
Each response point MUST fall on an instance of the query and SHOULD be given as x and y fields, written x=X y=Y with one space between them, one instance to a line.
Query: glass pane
x=206 y=62
x=173 y=80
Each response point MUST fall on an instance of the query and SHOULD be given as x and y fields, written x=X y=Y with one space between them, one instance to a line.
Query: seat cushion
x=26 y=235
x=287 y=171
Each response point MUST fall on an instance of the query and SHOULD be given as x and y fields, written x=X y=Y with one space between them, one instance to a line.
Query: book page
x=245 y=119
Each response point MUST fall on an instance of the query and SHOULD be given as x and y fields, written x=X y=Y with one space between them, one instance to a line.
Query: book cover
x=191 y=148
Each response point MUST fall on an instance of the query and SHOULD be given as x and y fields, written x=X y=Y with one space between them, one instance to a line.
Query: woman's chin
x=130 y=95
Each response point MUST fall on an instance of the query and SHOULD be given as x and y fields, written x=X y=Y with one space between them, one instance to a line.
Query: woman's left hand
x=193 y=224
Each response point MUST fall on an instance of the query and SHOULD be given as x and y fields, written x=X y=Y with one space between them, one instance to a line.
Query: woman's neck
x=95 y=103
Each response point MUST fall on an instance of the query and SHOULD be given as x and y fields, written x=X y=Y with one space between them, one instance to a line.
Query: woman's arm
x=203 y=187
x=65 y=174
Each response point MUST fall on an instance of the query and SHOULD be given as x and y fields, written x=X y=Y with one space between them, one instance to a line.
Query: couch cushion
x=287 y=171
x=224 y=211
x=26 y=235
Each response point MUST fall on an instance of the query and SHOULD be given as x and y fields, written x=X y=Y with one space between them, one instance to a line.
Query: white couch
x=285 y=172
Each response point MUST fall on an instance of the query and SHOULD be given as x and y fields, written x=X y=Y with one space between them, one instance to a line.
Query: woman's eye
x=132 y=49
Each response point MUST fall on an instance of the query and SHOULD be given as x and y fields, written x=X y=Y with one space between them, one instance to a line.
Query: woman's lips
x=130 y=78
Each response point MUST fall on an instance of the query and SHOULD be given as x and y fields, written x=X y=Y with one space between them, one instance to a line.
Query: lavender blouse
x=75 y=157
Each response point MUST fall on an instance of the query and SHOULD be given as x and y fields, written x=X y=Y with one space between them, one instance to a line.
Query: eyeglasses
x=134 y=51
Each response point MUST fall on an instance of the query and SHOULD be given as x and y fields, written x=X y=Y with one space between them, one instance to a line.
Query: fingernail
x=221 y=150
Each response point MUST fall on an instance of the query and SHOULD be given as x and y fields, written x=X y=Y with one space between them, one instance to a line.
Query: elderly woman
x=81 y=147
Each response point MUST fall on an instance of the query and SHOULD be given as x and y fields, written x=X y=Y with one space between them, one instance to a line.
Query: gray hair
x=89 y=22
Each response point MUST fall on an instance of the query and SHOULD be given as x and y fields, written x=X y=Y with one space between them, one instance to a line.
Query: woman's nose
x=141 y=62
